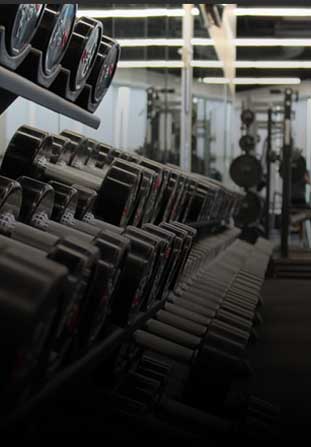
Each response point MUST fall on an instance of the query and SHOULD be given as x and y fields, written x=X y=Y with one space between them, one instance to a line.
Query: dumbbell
x=92 y=154
x=208 y=366
x=85 y=154
x=32 y=288
x=145 y=386
x=29 y=153
x=131 y=287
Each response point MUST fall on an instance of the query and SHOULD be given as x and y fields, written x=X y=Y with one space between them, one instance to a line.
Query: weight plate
x=60 y=37
x=299 y=168
x=247 y=117
x=247 y=143
x=104 y=68
x=250 y=209
x=246 y=171
x=54 y=34
x=82 y=51
x=21 y=22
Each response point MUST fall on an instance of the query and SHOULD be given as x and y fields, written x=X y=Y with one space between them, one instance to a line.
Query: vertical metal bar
x=268 y=163
x=186 y=90
x=287 y=154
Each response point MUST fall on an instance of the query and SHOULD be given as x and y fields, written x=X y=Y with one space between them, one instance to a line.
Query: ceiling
x=247 y=27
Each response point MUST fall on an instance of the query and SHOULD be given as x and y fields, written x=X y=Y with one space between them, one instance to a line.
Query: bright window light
x=134 y=13
x=274 y=12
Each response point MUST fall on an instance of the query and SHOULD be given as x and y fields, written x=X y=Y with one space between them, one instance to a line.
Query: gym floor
x=282 y=357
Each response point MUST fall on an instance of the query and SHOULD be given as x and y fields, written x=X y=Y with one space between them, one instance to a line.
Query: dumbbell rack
x=86 y=364
x=13 y=85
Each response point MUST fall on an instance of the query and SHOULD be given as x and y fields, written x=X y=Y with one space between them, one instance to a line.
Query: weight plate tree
x=54 y=34
x=246 y=171
x=21 y=22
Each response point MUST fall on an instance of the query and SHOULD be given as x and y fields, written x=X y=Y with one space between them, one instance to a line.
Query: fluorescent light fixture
x=273 y=12
x=273 y=64
x=273 y=42
x=215 y=64
x=150 y=64
x=134 y=13
x=134 y=43
x=207 y=64
x=254 y=81
x=197 y=41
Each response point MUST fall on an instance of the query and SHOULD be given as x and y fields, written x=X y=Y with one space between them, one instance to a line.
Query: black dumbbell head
x=38 y=199
x=22 y=151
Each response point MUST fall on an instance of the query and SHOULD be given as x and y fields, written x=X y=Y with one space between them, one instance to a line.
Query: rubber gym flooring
x=282 y=356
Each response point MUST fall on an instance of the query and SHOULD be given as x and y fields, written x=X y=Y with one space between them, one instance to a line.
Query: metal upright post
x=287 y=154
x=268 y=163
x=186 y=90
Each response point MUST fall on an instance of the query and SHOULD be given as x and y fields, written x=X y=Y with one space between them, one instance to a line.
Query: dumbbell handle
x=71 y=176
x=171 y=333
x=173 y=350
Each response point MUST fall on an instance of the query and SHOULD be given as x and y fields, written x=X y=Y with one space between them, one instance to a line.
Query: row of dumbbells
x=123 y=188
x=64 y=280
x=187 y=359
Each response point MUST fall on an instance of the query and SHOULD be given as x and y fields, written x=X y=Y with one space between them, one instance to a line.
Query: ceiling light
x=134 y=13
x=273 y=42
x=150 y=64
x=134 y=43
x=207 y=64
x=197 y=41
x=254 y=81
x=274 y=12
x=273 y=64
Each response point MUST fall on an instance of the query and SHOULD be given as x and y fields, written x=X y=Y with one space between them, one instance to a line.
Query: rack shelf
x=82 y=366
x=13 y=85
